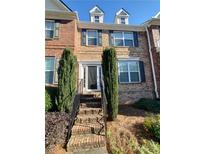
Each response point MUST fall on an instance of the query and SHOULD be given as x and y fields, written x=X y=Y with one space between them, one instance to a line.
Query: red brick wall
x=67 y=39
x=154 y=31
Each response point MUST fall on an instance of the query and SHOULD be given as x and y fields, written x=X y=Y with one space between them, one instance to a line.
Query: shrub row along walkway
x=88 y=134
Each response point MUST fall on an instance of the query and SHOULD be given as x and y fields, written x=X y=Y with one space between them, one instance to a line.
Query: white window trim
x=52 y=70
x=123 y=38
x=52 y=21
x=91 y=37
x=128 y=61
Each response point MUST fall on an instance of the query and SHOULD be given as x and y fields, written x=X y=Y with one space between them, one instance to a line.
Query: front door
x=92 y=77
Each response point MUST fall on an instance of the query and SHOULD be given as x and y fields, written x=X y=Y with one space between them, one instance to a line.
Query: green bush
x=110 y=76
x=152 y=126
x=147 y=104
x=149 y=147
x=48 y=103
x=52 y=91
x=66 y=81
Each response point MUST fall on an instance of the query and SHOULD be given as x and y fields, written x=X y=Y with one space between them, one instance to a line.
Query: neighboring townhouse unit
x=153 y=28
x=130 y=42
x=60 y=33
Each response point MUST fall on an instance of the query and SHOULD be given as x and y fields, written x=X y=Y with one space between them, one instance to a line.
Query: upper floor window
x=123 y=38
x=49 y=28
x=92 y=37
x=122 y=20
x=97 y=19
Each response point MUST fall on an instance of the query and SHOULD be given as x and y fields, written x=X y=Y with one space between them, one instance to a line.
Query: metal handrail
x=104 y=105
x=75 y=108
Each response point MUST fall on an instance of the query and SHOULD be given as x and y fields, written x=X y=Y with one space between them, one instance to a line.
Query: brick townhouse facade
x=60 y=33
x=87 y=41
x=154 y=33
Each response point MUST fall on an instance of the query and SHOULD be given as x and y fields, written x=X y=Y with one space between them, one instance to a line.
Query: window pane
x=129 y=43
x=118 y=42
x=133 y=66
x=122 y=20
x=134 y=76
x=49 y=34
x=49 y=77
x=49 y=25
x=124 y=77
x=92 y=34
x=49 y=64
x=118 y=35
x=92 y=41
x=97 y=17
x=128 y=35
x=123 y=66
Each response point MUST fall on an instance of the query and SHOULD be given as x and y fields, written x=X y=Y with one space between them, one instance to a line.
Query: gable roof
x=157 y=15
x=96 y=7
x=56 y=5
x=66 y=5
x=122 y=10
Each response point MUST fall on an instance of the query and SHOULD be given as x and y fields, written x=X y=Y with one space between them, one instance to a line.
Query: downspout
x=152 y=64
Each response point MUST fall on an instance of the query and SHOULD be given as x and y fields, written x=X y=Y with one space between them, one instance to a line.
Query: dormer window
x=122 y=17
x=97 y=20
x=122 y=20
x=96 y=15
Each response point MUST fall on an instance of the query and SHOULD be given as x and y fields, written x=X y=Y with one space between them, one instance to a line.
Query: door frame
x=85 y=64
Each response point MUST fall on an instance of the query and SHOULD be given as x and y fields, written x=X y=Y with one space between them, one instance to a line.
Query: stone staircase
x=88 y=133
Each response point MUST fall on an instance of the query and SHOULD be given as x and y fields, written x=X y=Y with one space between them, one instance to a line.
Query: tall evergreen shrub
x=66 y=81
x=110 y=75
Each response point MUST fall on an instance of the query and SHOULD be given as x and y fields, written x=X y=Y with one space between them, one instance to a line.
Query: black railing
x=104 y=105
x=75 y=108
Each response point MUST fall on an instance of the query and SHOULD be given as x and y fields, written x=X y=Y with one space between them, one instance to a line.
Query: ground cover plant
x=151 y=105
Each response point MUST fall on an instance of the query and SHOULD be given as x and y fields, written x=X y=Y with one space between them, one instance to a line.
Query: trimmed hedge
x=147 y=104
x=152 y=126
x=110 y=76
x=66 y=81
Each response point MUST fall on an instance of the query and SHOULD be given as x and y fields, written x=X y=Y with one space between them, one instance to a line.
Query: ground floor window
x=129 y=71
x=49 y=69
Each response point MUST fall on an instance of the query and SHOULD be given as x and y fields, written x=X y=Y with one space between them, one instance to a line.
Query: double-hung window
x=97 y=19
x=92 y=37
x=123 y=38
x=49 y=28
x=49 y=69
x=129 y=71
x=122 y=20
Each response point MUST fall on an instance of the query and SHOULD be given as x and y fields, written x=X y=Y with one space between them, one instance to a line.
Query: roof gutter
x=152 y=63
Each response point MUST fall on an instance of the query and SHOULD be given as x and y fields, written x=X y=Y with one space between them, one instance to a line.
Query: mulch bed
x=56 y=129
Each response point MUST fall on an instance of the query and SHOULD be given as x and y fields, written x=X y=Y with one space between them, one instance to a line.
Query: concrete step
x=101 y=150
x=85 y=142
x=89 y=99
x=79 y=129
x=90 y=105
x=85 y=119
x=87 y=111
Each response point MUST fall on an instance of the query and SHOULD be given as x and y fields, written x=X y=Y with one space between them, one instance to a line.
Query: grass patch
x=150 y=105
